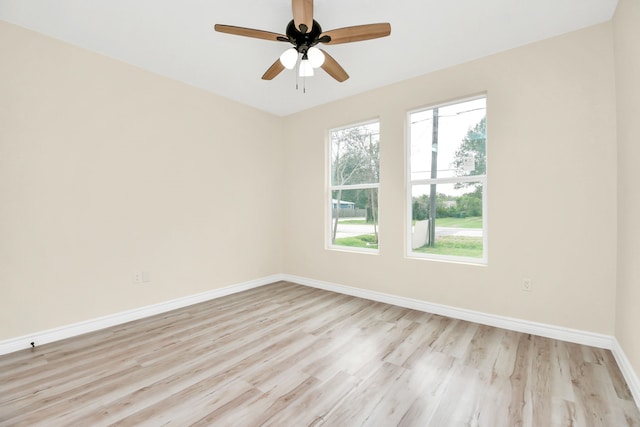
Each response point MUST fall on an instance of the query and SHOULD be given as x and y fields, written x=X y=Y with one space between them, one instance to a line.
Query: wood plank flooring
x=289 y=355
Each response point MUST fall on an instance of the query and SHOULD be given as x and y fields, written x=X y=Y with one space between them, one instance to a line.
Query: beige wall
x=627 y=42
x=551 y=193
x=106 y=170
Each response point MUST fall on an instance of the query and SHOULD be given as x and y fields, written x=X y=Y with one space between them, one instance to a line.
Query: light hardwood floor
x=289 y=355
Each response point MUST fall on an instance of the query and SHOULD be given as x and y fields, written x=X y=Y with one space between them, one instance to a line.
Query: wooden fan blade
x=358 y=33
x=302 y=14
x=273 y=71
x=250 y=32
x=334 y=69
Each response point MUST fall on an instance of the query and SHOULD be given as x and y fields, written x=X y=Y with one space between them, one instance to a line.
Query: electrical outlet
x=527 y=284
x=141 y=277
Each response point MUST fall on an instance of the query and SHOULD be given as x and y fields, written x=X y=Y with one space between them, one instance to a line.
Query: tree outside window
x=354 y=179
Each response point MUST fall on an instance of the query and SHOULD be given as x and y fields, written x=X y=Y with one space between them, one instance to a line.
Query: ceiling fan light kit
x=316 y=57
x=306 y=70
x=304 y=33
x=289 y=58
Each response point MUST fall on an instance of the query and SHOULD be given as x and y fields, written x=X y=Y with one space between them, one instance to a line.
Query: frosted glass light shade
x=289 y=58
x=316 y=57
x=306 y=70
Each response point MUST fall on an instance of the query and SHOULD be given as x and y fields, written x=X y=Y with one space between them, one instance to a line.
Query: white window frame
x=409 y=253
x=331 y=188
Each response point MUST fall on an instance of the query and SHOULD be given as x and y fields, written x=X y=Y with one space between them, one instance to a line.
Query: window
x=354 y=176
x=447 y=182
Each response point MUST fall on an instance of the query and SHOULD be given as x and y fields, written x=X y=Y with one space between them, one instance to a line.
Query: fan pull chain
x=304 y=79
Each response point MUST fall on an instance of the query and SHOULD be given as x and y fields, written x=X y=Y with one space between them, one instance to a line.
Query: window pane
x=354 y=218
x=447 y=219
x=459 y=145
x=355 y=155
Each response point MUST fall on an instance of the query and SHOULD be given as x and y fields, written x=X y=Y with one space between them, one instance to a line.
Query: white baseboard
x=68 y=331
x=627 y=370
x=534 y=328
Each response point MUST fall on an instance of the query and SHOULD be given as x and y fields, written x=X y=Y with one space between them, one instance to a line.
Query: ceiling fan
x=304 y=33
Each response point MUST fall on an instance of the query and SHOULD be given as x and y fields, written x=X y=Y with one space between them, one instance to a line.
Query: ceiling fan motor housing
x=303 y=41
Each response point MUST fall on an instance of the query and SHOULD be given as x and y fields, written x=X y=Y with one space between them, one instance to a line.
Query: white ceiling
x=176 y=38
